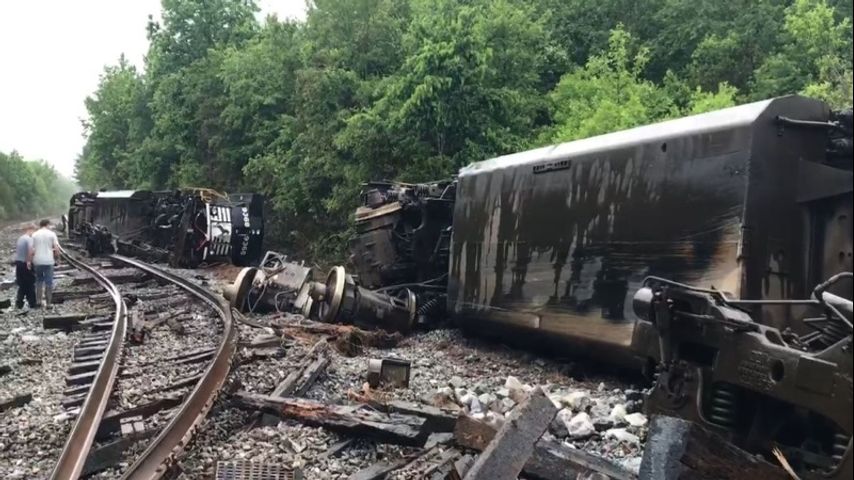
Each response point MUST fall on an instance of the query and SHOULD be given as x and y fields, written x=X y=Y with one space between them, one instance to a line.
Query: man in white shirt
x=43 y=255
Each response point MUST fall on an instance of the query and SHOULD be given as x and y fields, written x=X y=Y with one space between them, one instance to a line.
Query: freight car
x=689 y=248
x=185 y=227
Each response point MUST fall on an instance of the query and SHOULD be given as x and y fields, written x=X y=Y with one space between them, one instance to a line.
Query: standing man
x=24 y=276
x=43 y=255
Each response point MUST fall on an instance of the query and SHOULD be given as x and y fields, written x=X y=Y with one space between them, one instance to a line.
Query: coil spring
x=723 y=403
x=431 y=306
x=840 y=445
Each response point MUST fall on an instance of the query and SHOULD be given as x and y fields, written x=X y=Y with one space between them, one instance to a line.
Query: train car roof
x=122 y=194
x=726 y=119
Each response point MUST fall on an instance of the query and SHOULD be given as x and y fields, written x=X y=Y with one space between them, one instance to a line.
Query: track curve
x=156 y=460
x=77 y=446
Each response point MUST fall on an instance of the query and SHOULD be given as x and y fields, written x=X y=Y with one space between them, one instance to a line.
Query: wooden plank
x=111 y=454
x=506 y=455
x=378 y=470
x=679 y=449
x=551 y=460
x=300 y=379
x=65 y=322
x=18 y=400
x=358 y=420
x=117 y=278
x=111 y=422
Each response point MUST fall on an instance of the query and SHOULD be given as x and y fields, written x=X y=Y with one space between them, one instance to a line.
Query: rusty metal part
x=392 y=372
x=277 y=285
x=341 y=300
x=760 y=387
x=402 y=232
x=73 y=456
x=161 y=453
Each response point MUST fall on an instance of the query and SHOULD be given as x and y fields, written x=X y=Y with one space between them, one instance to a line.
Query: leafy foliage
x=413 y=89
x=30 y=188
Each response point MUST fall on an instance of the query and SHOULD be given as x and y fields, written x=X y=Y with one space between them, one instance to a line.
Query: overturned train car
x=185 y=227
x=692 y=245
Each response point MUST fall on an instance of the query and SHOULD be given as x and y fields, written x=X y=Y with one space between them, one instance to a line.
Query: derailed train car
x=753 y=200
x=693 y=246
x=690 y=248
x=185 y=227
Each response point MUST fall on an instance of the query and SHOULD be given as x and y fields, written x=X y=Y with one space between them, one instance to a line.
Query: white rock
x=580 y=426
x=460 y=393
x=556 y=400
x=618 y=413
x=636 y=419
x=456 y=382
x=62 y=417
x=621 y=435
x=502 y=392
x=30 y=338
x=475 y=406
x=513 y=383
x=446 y=391
x=494 y=419
x=466 y=399
x=486 y=399
x=507 y=404
x=632 y=464
x=578 y=400
x=601 y=387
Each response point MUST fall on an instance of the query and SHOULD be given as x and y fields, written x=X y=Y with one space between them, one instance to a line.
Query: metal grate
x=246 y=470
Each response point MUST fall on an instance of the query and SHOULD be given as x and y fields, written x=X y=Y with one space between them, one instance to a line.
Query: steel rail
x=74 y=453
x=161 y=453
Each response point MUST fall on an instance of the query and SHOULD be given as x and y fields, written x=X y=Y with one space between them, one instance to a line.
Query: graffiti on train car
x=184 y=227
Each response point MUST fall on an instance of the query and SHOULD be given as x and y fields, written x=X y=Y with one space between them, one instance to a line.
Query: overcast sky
x=51 y=54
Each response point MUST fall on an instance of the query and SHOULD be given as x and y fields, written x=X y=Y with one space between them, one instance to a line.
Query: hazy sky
x=51 y=54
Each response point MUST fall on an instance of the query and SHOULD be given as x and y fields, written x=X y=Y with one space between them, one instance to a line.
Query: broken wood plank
x=116 y=278
x=18 y=400
x=348 y=339
x=551 y=460
x=358 y=420
x=378 y=470
x=67 y=321
x=434 y=462
x=112 y=453
x=336 y=448
x=300 y=379
x=111 y=422
x=509 y=450
x=61 y=296
x=679 y=449
x=262 y=341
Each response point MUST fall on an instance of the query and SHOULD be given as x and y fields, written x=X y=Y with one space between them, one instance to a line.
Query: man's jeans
x=26 y=285
x=44 y=274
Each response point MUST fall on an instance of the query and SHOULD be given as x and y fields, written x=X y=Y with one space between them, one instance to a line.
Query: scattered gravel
x=597 y=412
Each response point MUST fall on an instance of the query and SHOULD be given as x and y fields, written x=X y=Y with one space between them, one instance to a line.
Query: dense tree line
x=30 y=188
x=413 y=89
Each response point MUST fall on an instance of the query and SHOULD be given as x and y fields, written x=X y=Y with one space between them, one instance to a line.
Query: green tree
x=610 y=93
x=816 y=48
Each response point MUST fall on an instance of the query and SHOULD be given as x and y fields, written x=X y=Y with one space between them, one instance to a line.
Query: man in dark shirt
x=24 y=276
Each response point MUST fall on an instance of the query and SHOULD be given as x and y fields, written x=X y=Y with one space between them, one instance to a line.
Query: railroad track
x=160 y=454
